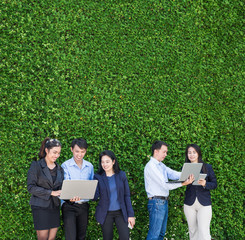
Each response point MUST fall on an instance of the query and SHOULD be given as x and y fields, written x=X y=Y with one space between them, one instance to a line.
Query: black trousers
x=122 y=226
x=75 y=218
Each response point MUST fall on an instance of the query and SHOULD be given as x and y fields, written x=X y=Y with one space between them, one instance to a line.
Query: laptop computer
x=187 y=170
x=201 y=176
x=85 y=189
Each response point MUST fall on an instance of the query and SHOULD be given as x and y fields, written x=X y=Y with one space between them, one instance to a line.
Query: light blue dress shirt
x=156 y=174
x=73 y=172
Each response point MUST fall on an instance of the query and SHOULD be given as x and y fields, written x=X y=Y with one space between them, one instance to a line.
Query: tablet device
x=201 y=176
x=85 y=189
x=187 y=170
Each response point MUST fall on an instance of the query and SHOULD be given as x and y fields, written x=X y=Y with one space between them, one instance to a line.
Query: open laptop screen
x=85 y=189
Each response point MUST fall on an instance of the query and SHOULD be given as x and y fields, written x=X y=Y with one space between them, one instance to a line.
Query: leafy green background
x=122 y=74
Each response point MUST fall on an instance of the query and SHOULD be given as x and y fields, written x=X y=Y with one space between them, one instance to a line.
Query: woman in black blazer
x=44 y=181
x=197 y=204
x=114 y=194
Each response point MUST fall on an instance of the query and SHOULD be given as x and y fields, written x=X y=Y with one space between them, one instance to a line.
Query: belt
x=159 y=197
x=74 y=203
x=81 y=202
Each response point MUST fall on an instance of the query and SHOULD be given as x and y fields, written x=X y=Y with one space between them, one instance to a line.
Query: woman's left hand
x=56 y=193
x=131 y=220
x=202 y=182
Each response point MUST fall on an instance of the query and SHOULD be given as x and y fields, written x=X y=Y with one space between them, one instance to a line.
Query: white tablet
x=85 y=189
x=201 y=176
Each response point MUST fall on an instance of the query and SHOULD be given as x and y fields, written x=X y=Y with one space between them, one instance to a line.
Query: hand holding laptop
x=189 y=180
x=56 y=193
x=75 y=199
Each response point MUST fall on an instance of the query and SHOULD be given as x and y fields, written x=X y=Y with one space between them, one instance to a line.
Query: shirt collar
x=155 y=161
x=73 y=163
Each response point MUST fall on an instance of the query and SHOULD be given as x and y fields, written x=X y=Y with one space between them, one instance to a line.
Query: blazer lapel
x=105 y=180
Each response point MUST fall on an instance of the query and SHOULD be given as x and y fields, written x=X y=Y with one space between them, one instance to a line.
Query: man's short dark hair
x=80 y=142
x=157 y=145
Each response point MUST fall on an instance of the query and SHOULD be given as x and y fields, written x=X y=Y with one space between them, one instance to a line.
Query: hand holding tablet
x=202 y=176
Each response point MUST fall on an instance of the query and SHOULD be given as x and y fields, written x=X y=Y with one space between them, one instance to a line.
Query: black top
x=53 y=173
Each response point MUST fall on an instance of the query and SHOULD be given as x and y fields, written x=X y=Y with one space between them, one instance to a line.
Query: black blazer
x=103 y=193
x=201 y=193
x=40 y=184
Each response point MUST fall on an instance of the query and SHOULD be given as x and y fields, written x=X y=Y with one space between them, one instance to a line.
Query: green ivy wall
x=122 y=74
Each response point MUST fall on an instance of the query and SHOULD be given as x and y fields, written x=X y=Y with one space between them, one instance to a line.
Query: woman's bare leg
x=52 y=233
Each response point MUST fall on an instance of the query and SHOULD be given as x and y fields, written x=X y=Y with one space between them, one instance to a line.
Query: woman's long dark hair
x=48 y=143
x=198 y=150
x=111 y=155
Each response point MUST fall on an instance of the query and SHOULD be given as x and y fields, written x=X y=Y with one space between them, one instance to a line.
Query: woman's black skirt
x=45 y=218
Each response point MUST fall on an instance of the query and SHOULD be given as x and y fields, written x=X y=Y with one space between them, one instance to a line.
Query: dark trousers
x=122 y=226
x=75 y=218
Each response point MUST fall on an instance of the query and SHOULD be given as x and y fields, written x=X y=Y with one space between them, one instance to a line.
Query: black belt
x=80 y=203
x=159 y=197
x=72 y=203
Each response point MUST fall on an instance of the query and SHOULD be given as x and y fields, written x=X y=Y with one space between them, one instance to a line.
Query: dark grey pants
x=75 y=218
x=122 y=226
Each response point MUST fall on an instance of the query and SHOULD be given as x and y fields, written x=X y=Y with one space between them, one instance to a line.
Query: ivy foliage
x=122 y=74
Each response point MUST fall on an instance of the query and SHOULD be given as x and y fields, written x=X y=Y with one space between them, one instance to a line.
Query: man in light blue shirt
x=156 y=175
x=75 y=214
